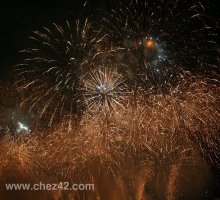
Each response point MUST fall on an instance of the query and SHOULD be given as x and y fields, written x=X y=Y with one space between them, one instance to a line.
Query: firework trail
x=150 y=146
x=18 y=159
x=21 y=162
x=50 y=74
x=104 y=89
x=154 y=134
x=160 y=38
x=61 y=72
x=81 y=155
x=143 y=142
x=162 y=130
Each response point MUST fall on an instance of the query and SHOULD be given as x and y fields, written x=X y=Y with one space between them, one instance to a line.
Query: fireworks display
x=54 y=65
x=104 y=87
x=132 y=106
x=161 y=38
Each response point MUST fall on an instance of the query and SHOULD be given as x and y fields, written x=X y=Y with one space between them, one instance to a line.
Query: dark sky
x=18 y=19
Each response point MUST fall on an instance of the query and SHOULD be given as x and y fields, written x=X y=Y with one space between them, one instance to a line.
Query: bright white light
x=102 y=87
x=22 y=127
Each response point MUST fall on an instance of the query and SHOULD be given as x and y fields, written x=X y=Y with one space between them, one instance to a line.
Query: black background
x=18 y=19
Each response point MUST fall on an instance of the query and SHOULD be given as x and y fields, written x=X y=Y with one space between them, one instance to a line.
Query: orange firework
x=18 y=159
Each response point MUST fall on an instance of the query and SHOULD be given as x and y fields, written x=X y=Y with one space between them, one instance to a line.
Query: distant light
x=22 y=128
x=150 y=43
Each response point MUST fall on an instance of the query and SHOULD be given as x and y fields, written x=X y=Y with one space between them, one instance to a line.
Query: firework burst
x=113 y=124
x=104 y=89
x=160 y=38
x=53 y=66
x=18 y=159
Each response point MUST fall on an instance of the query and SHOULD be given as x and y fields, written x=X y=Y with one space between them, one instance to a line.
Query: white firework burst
x=104 y=88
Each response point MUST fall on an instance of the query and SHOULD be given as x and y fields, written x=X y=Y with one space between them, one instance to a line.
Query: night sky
x=18 y=19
